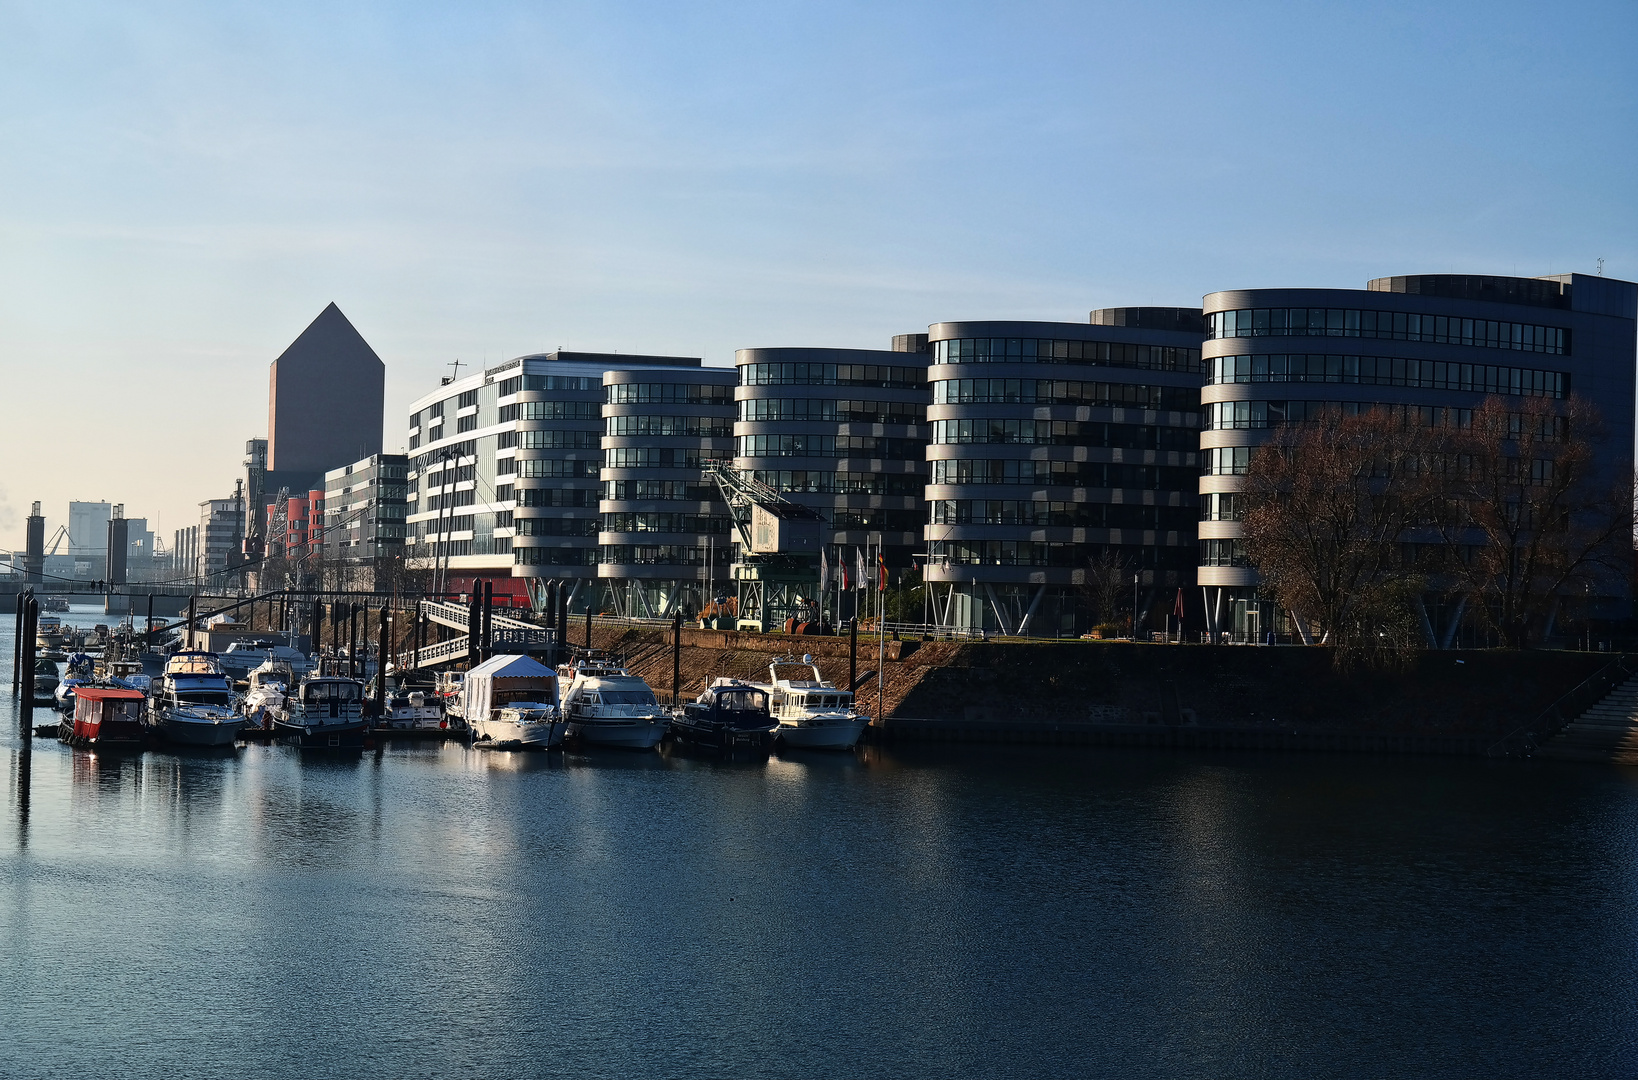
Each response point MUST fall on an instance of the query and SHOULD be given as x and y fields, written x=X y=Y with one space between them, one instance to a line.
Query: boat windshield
x=627 y=697
x=203 y=697
x=331 y=691
x=740 y=700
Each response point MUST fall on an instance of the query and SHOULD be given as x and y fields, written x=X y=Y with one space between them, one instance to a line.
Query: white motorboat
x=605 y=705
x=413 y=710
x=192 y=702
x=812 y=714
x=268 y=686
x=324 y=712
x=511 y=702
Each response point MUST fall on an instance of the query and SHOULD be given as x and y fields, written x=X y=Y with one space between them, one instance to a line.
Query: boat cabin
x=333 y=698
x=104 y=715
x=730 y=704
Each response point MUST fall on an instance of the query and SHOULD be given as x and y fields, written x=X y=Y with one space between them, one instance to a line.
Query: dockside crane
x=776 y=561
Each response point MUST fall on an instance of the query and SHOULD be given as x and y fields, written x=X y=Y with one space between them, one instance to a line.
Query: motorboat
x=448 y=690
x=605 y=705
x=324 y=712
x=46 y=678
x=48 y=632
x=54 y=603
x=268 y=686
x=412 y=710
x=243 y=657
x=104 y=716
x=192 y=702
x=511 y=702
x=729 y=715
x=812 y=714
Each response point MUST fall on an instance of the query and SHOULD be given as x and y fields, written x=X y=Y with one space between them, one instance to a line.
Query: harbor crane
x=776 y=564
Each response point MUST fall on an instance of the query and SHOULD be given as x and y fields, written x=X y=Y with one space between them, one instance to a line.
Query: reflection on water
x=985 y=911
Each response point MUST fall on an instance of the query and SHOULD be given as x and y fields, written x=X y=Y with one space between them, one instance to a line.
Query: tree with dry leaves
x=1537 y=515
x=1329 y=507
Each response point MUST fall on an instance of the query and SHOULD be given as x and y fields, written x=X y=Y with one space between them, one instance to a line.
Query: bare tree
x=1107 y=583
x=1328 y=507
x=1534 y=519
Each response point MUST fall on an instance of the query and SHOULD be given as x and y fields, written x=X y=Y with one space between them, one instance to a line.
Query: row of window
x=884 y=376
x=558 y=439
x=820 y=482
x=556 y=496
x=548 y=382
x=1064 y=433
x=832 y=410
x=667 y=394
x=829 y=446
x=1223 y=553
x=1089 y=474
x=548 y=467
x=452 y=453
x=449 y=499
x=857 y=520
x=659 y=490
x=655 y=555
x=656 y=457
x=551 y=410
x=1009 y=553
x=1052 y=351
x=1396 y=325
x=1045 y=514
x=1222 y=506
x=555 y=556
x=1225 y=415
x=665 y=523
x=1390 y=371
x=1064 y=392
x=700 y=427
x=557 y=526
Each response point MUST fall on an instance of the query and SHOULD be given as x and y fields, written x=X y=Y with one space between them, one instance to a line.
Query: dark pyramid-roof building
x=325 y=399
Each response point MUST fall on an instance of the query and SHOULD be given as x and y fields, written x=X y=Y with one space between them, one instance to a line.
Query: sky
x=184 y=186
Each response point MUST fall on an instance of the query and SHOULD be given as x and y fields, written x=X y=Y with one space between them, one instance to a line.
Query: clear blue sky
x=184 y=186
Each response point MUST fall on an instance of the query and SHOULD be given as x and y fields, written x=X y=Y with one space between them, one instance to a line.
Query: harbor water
x=434 y=910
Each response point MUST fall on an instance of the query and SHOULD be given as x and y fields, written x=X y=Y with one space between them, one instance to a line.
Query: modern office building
x=324 y=406
x=1058 y=450
x=844 y=432
x=504 y=481
x=219 y=541
x=88 y=537
x=364 y=511
x=1428 y=344
x=666 y=535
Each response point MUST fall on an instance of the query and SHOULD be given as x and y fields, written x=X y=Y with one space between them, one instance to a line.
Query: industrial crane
x=776 y=566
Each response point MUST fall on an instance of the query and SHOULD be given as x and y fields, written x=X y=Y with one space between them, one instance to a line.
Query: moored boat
x=192 y=702
x=729 y=715
x=511 y=702
x=269 y=684
x=605 y=705
x=812 y=714
x=104 y=716
x=324 y=712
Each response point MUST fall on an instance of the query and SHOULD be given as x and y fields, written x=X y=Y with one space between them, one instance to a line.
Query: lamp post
x=1136 y=574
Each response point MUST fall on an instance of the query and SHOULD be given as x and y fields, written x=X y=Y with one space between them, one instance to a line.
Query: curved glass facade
x=1077 y=444
x=859 y=459
x=665 y=532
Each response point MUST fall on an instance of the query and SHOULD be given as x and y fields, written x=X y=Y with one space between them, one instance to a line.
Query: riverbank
x=1122 y=693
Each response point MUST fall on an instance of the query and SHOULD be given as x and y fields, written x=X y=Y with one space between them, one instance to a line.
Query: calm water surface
x=438 y=911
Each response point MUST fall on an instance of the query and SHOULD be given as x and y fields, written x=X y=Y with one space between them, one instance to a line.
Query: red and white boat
x=104 y=716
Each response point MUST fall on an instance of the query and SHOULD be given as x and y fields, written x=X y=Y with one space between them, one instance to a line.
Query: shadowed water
x=431 y=910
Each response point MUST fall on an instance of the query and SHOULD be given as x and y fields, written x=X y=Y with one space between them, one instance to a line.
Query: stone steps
x=1606 y=732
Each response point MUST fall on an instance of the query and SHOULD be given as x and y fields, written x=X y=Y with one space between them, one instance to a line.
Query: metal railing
x=1523 y=740
x=455 y=616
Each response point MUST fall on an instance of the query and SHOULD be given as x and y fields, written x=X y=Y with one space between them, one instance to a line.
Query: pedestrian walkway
x=1606 y=732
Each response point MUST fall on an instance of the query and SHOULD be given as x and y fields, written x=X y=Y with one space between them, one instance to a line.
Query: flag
x=1177 y=609
x=859 y=579
x=881 y=571
x=841 y=563
x=824 y=569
